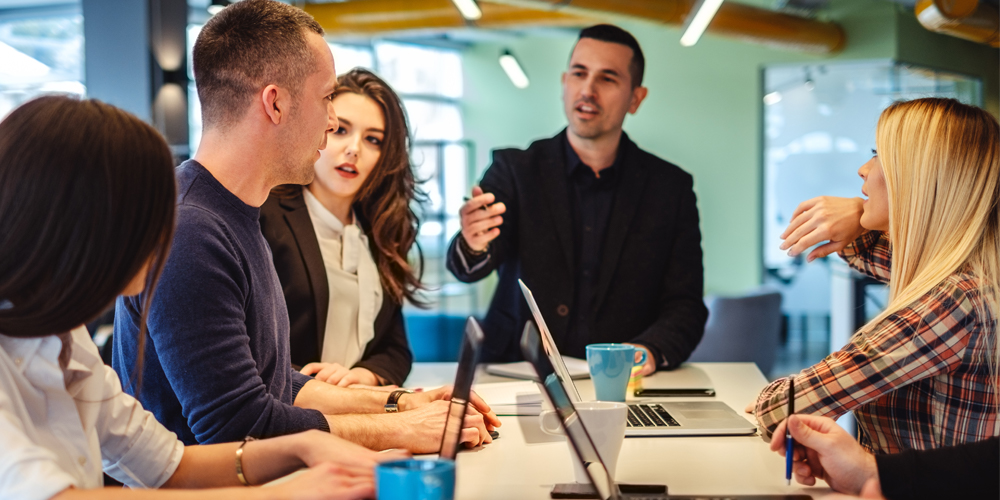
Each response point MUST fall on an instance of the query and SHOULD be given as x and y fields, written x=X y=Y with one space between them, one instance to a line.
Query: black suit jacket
x=288 y=229
x=651 y=280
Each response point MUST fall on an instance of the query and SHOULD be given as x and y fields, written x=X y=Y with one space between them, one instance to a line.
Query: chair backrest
x=743 y=328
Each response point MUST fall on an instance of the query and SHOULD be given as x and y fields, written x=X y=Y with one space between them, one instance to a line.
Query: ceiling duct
x=733 y=20
x=968 y=19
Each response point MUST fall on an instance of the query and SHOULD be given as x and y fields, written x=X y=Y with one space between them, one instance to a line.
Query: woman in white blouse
x=87 y=198
x=340 y=244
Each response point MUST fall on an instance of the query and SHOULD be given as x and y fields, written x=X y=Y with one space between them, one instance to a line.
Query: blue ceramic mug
x=413 y=479
x=610 y=368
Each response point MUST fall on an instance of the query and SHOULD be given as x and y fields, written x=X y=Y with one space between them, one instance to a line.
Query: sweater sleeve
x=197 y=325
x=969 y=471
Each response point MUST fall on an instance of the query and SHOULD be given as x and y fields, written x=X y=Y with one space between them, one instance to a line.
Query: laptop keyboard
x=641 y=415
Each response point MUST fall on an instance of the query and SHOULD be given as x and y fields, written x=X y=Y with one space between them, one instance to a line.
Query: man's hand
x=424 y=427
x=826 y=218
x=337 y=374
x=649 y=367
x=419 y=399
x=827 y=452
x=481 y=219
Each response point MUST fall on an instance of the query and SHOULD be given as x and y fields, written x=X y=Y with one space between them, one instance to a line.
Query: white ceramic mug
x=605 y=422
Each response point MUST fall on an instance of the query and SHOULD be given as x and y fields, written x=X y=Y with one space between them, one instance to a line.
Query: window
x=39 y=56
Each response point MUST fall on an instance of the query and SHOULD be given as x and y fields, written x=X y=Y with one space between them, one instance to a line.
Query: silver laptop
x=468 y=358
x=601 y=484
x=649 y=417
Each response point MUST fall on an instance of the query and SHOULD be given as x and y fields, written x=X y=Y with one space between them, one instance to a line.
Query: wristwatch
x=392 y=405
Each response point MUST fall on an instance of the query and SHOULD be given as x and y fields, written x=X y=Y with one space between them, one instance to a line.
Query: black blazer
x=288 y=229
x=651 y=279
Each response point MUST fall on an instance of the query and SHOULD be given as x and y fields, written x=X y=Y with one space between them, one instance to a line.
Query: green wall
x=703 y=111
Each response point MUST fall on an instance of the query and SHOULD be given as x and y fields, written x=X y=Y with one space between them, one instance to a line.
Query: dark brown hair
x=384 y=204
x=613 y=34
x=247 y=46
x=87 y=196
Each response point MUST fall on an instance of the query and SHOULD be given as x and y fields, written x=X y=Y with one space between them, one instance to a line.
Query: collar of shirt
x=22 y=351
x=574 y=164
x=329 y=225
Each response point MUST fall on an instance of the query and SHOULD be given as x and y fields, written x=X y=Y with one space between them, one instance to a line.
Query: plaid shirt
x=920 y=379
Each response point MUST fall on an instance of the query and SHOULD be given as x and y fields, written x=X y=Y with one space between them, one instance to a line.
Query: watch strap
x=392 y=404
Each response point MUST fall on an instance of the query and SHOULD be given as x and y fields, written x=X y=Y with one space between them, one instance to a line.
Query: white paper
x=511 y=398
x=577 y=367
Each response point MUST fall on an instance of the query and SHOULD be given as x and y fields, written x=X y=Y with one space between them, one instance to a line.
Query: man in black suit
x=605 y=234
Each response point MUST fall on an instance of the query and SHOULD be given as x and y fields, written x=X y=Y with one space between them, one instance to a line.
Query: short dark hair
x=247 y=46
x=87 y=197
x=614 y=34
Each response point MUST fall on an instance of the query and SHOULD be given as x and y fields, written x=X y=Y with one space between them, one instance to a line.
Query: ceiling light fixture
x=469 y=9
x=513 y=69
x=698 y=19
x=216 y=6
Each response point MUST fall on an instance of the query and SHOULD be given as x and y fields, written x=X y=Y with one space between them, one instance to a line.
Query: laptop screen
x=573 y=426
x=468 y=357
x=549 y=344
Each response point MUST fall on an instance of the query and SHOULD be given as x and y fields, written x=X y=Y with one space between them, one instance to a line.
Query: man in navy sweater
x=217 y=367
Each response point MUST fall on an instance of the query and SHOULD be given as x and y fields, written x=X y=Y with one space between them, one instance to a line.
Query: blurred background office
x=775 y=103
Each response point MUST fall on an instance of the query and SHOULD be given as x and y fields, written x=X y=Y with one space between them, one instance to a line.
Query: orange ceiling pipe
x=733 y=20
x=968 y=19
x=368 y=17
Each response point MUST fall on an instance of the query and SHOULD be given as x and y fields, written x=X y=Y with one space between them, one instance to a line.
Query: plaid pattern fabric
x=920 y=379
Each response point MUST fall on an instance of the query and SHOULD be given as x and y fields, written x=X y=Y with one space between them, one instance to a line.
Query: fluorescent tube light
x=216 y=6
x=468 y=8
x=772 y=98
x=513 y=69
x=698 y=20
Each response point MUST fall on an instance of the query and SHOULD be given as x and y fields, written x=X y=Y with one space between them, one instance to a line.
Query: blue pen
x=789 y=442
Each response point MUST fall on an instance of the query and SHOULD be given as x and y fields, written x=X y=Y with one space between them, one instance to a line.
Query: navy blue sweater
x=217 y=366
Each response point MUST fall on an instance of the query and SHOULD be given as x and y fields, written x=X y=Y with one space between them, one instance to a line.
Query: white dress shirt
x=355 y=288
x=59 y=427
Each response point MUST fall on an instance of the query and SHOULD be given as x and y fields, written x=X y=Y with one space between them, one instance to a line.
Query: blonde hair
x=941 y=161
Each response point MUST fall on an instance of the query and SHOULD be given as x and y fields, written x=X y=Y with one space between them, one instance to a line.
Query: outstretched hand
x=826 y=218
x=481 y=219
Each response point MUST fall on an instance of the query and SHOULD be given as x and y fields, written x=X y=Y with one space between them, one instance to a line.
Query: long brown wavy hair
x=384 y=204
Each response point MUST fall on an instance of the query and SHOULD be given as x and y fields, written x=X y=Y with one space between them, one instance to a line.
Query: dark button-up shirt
x=592 y=196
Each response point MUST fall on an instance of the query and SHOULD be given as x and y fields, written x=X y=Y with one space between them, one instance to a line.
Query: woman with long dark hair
x=341 y=243
x=87 y=198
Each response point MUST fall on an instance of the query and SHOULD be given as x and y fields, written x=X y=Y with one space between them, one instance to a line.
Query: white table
x=524 y=463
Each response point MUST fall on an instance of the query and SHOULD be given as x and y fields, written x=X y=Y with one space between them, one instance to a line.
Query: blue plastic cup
x=413 y=479
x=610 y=368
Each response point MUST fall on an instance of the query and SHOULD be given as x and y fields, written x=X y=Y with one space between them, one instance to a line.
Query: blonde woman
x=922 y=374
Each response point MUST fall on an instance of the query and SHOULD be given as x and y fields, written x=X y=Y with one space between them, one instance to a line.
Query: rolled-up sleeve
x=135 y=448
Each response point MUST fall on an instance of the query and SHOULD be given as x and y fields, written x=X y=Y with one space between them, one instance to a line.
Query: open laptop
x=468 y=358
x=602 y=485
x=647 y=418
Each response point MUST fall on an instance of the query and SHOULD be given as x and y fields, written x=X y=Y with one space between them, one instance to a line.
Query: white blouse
x=355 y=289
x=59 y=427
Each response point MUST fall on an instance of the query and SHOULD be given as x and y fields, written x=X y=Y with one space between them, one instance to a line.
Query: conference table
x=525 y=463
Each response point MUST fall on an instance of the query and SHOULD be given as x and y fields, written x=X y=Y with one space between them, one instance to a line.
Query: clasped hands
x=425 y=412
